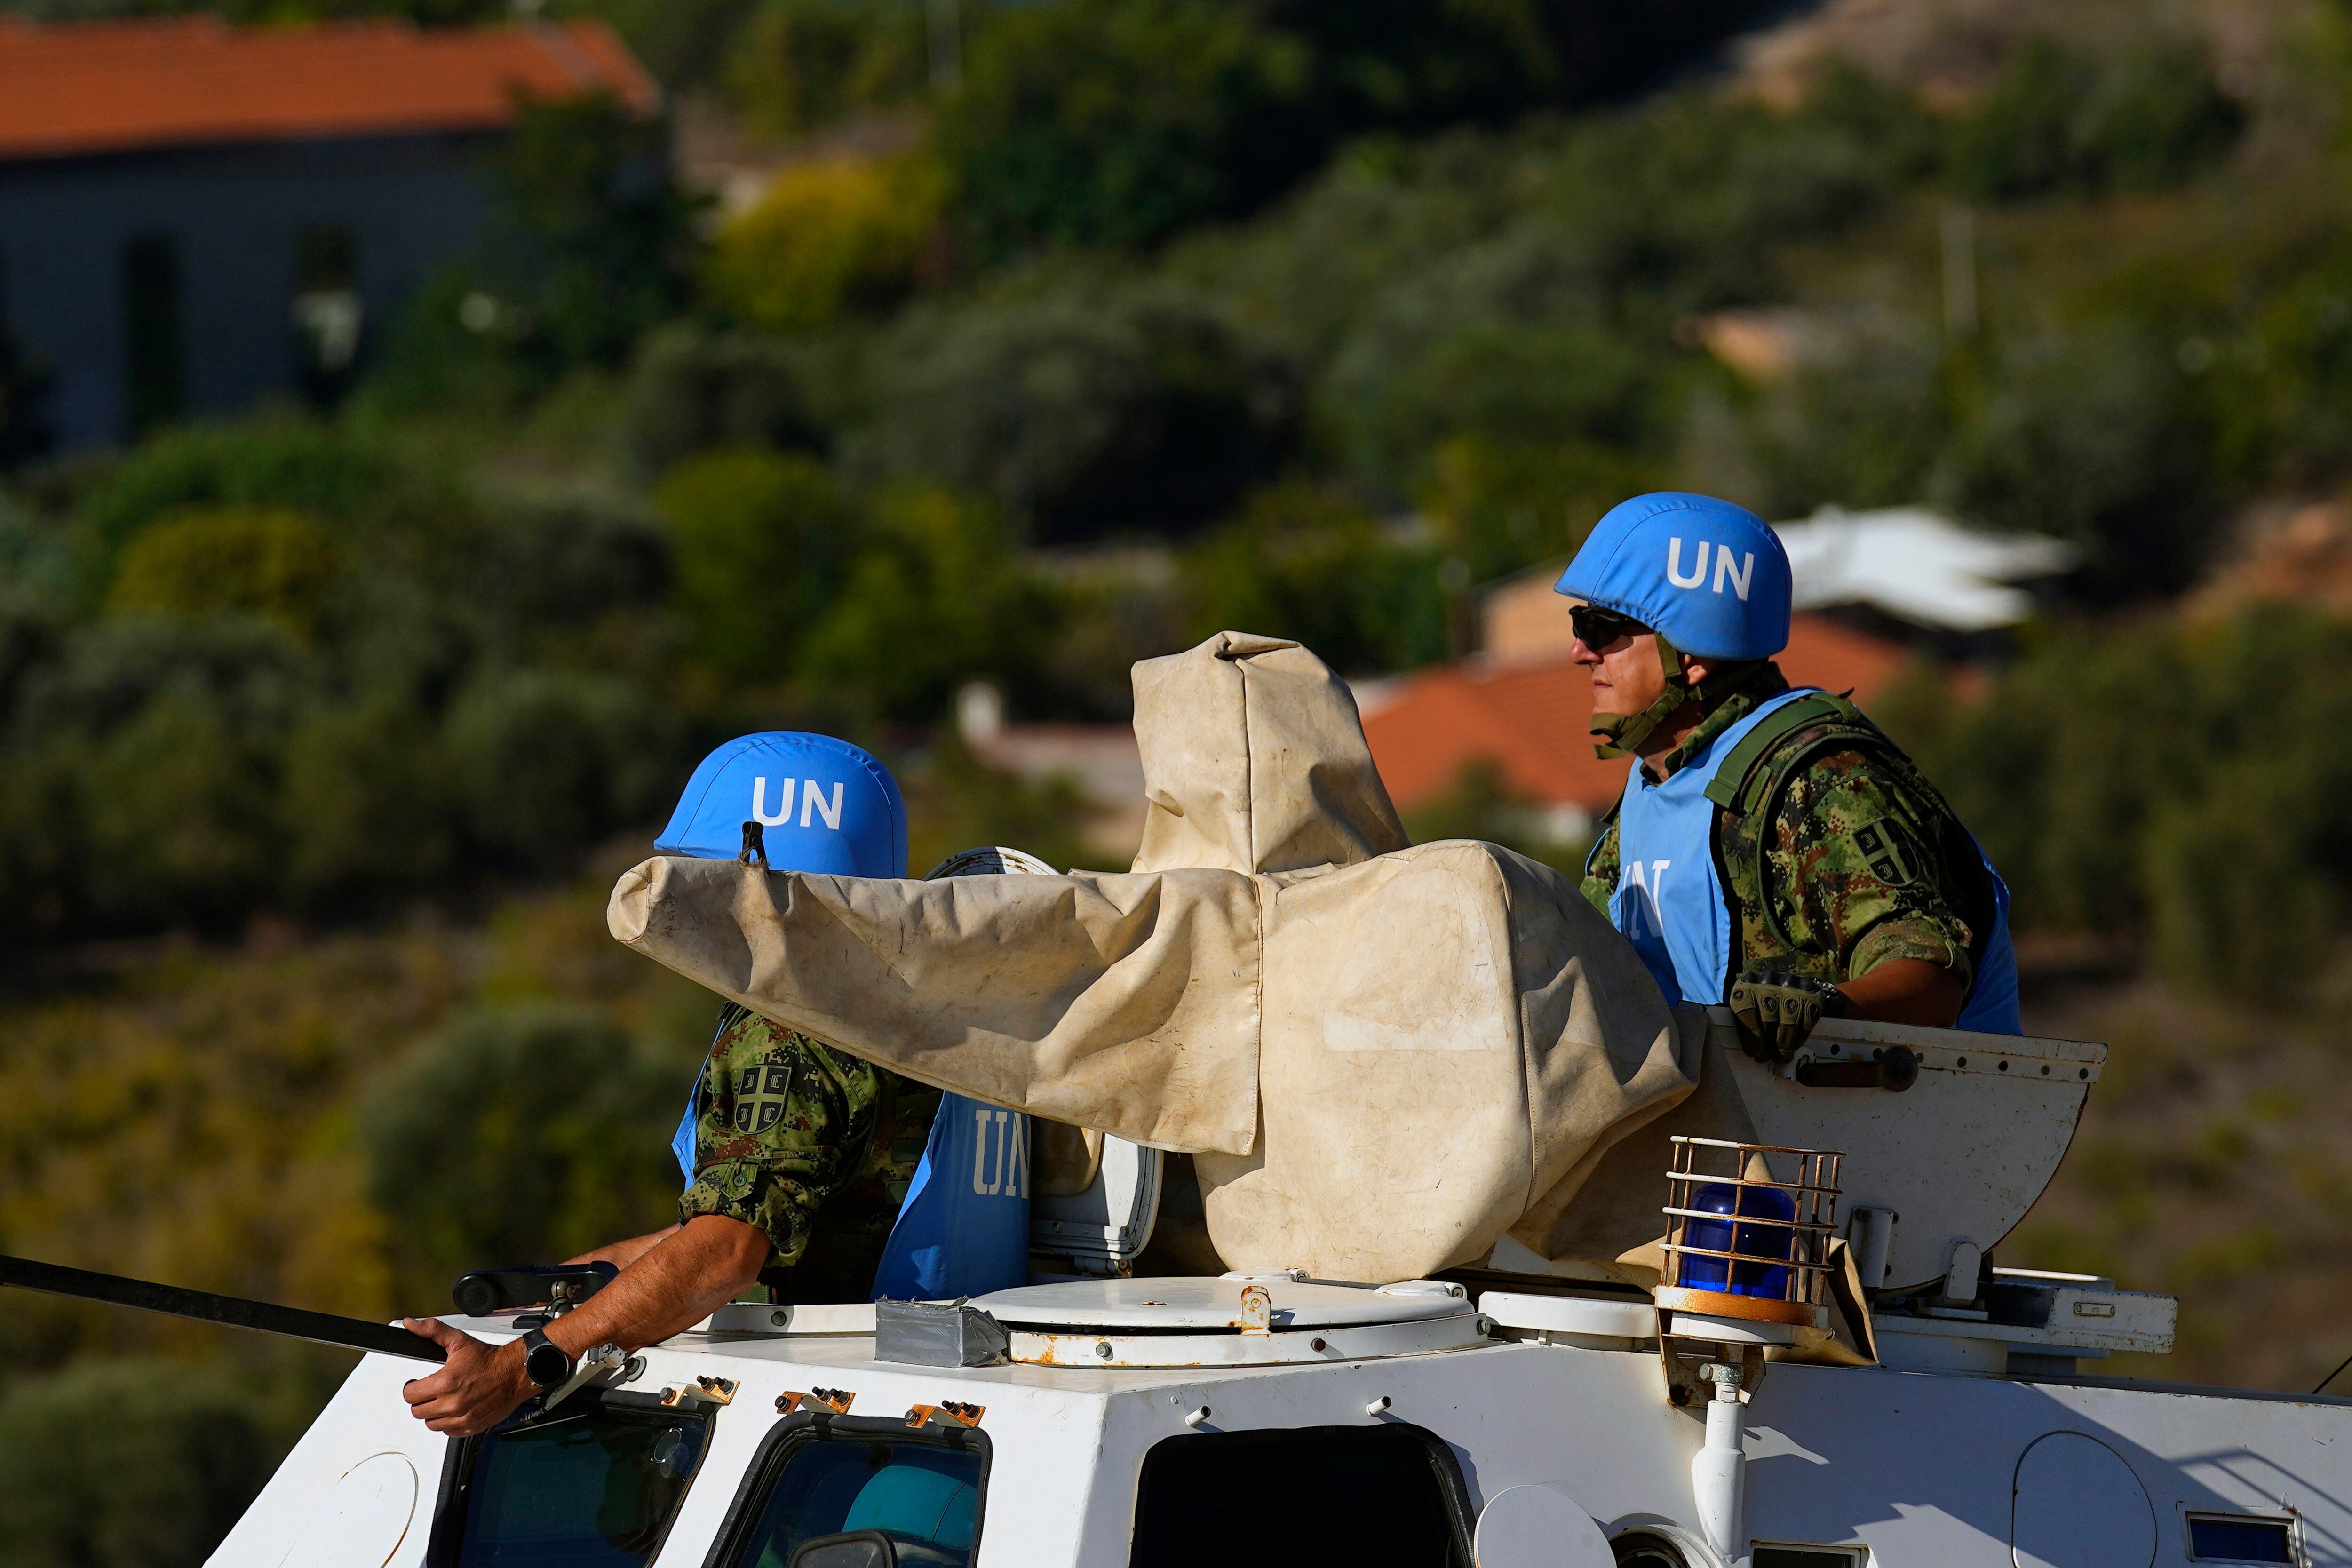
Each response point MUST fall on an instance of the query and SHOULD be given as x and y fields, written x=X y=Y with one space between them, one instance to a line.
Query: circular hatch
x=1237 y=1321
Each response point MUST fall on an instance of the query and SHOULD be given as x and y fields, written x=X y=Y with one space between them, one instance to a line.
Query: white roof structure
x=1918 y=566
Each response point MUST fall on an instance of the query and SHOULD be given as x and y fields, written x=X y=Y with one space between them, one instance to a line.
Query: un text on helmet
x=1737 y=576
x=811 y=801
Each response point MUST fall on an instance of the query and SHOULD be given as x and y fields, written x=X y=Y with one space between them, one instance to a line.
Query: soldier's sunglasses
x=1596 y=628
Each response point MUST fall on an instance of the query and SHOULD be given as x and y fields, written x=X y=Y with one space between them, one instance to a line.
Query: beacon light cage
x=1798 y=1296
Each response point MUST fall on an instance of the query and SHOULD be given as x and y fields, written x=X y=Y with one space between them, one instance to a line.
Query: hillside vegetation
x=322 y=731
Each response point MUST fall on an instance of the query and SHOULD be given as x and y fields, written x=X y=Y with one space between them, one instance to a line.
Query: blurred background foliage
x=1119 y=323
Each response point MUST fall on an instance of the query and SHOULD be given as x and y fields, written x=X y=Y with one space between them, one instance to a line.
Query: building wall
x=236 y=214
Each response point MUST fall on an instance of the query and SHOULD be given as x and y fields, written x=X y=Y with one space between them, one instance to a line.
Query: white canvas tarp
x=1381 y=1056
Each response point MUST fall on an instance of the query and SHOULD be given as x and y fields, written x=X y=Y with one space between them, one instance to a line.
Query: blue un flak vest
x=964 y=1227
x=963 y=1230
x=1671 y=905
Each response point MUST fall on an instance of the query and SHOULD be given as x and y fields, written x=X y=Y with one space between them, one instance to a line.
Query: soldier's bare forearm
x=675 y=1283
x=621 y=1253
x=1905 y=991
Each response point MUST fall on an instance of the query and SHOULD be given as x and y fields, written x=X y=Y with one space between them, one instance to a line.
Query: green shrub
x=1310 y=564
x=523 y=1134
x=1117 y=123
x=335 y=475
x=1866 y=429
x=2238 y=902
x=588 y=247
x=2169 y=782
x=2093 y=436
x=802 y=65
x=547 y=568
x=546 y=761
x=107 y=672
x=2055 y=121
x=367 y=804
x=761 y=543
x=1504 y=341
x=1083 y=409
x=694 y=389
x=1498 y=508
x=2019 y=139
x=181 y=804
x=593 y=243
x=271 y=562
x=937 y=599
x=124 y=1464
x=829 y=237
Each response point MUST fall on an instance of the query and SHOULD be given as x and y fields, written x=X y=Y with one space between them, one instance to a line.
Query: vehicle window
x=2237 y=1538
x=817 y=1479
x=1371 y=1497
x=594 y=1486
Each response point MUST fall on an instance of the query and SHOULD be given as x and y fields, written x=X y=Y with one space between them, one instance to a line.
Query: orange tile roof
x=102 y=87
x=1530 y=715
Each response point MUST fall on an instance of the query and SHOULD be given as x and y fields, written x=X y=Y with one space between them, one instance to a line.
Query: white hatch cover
x=1206 y=1305
x=363 y=1518
x=2078 y=1505
x=1241 y=1319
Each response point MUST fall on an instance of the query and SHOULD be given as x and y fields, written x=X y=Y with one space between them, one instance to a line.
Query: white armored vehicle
x=1505 y=1416
x=1360 y=1260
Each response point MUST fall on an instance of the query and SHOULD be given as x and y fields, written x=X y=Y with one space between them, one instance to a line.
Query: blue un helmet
x=1708 y=577
x=819 y=803
x=1708 y=574
x=806 y=802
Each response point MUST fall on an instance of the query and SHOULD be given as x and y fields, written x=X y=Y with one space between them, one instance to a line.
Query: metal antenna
x=352 y=1333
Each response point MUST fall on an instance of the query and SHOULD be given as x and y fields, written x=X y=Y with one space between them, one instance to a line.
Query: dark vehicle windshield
x=1378 y=1496
x=594 y=1486
x=923 y=1493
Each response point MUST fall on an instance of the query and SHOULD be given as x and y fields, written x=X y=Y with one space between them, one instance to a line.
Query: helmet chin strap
x=1622 y=733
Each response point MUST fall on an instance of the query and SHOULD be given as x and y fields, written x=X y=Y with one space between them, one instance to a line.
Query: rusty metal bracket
x=701 y=1391
x=603 y=1365
x=1685 y=1362
x=1257 y=1310
x=837 y=1400
x=947 y=1413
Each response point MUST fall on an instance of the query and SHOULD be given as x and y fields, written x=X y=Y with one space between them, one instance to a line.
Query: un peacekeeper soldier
x=809 y=1146
x=1773 y=849
x=797 y=1156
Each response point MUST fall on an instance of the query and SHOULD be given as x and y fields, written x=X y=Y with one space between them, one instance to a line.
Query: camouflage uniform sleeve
x=1850 y=875
x=1600 y=883
x=784 y=1121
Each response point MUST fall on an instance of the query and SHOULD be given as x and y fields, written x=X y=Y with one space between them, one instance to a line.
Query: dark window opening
x=1371 y=1497
x=1803 y=1557
x=25 y=382
x=818 y=1476
x=593 y=1485
x=2233 y=1538
x=156 y=383
x=1640 y=1549
x=328 y=313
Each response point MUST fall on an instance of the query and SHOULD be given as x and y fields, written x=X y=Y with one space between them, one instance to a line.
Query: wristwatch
x=544 y=1362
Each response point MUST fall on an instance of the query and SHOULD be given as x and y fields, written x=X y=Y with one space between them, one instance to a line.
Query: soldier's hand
x=477 y=1387
x=1776 y=1012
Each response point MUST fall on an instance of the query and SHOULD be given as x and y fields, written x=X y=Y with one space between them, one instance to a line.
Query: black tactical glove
x=1776 y=1012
